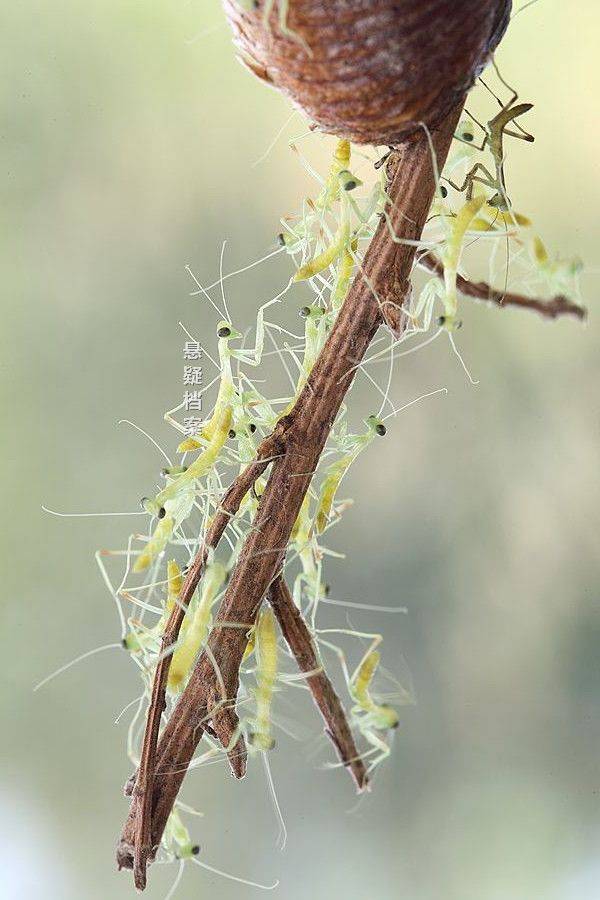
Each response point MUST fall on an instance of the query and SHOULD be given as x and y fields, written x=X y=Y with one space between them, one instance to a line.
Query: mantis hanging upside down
x=265 y=647
x=352 y=446
x=213 y=435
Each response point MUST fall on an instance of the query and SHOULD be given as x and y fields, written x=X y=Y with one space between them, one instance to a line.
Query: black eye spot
x=305 y=312
x=231 y=433
x=195 y=849
x=251 y=427
x=440 y=320
x=162 y=513
x=380 y=429
x=124 y=644
x=467 y=136
x=443 y=191
x=224 y=331
x=281 y=239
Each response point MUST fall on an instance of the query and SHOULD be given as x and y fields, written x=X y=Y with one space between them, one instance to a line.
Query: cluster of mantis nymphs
x=326 y=242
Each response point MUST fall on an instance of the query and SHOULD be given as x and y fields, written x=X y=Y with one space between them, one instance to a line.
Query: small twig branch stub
x=549 y=309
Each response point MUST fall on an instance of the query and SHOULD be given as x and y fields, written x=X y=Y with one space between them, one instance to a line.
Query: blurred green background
x=128 y=140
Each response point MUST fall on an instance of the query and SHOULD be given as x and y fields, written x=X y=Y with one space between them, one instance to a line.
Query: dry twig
x=298 y=638
x=550 y=309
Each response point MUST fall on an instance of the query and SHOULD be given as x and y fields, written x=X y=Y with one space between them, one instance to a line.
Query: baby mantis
x=176 y=838
x=352 y=445
x=172 y=512
x=451 y=257
x=196 y=626
x=372 y=717
x=340 y=181
x=494 y=132
x=177 y=842
x=216 y=432
x=265 y=647
x=561 y=273
x=369 y=716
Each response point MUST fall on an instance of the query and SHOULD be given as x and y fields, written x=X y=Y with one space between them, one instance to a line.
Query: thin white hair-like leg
x=263 y=887
x=282 y=836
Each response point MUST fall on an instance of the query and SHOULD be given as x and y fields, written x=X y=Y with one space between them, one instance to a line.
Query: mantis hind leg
x=378 y=747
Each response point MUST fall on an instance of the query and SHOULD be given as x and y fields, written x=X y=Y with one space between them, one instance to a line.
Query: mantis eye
x=231 y=433
x=443 y=191
x=348 y=181
x=223 y=330
x=161 y=513
x=377 y=426
x=251 y=427
x=281 y=239
x=467 y=136
x=305 y=312
x=441 y=321
x=195 y=849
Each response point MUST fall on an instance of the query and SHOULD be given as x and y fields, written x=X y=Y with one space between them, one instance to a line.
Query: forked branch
x=297 y=443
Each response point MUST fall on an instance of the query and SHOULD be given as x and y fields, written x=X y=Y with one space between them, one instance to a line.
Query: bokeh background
x=129 y=135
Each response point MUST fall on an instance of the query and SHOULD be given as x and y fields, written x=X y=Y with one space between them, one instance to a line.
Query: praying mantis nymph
x=171 y=514
x=216 y=431
x=178 y=844
x=176 y=838
x=225 y=334
x=303 y=541
x=327 y=256
x=380 y=715
x=352 y=446
x=331 y=188
x=337 y=187
x=371 y=717
x=344 y=275
x=315 y=332
x=265 y=638
x=137 y=640
x=560 y=273
x=451 y=257
x=494 y=132
x=196 y=627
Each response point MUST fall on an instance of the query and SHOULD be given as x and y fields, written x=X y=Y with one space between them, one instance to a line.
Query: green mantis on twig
x=352 y=446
